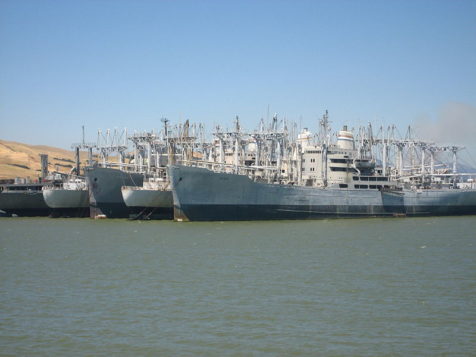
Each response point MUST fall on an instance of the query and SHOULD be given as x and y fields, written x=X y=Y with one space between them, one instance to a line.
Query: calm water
x=369 y=287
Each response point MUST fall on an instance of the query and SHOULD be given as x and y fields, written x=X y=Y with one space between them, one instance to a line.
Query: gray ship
x=204 y=195
x=302 y=179
x=153 y=152
x=23 y=200
x=105 y=177
x=149 y=201
x=105 y=197
x=152 y=200
x=70 y=198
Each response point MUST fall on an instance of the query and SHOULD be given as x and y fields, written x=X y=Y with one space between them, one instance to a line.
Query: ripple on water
x=334 y=287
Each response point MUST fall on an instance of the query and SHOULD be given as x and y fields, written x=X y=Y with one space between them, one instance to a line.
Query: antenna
x=165 y=121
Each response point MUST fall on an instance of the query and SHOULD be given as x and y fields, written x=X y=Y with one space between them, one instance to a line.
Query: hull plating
x=67 y=203
x=148 y=204
x=202 y=195
x=105 y=197
x=61 y=198
x=24 y=203
x=147 y=198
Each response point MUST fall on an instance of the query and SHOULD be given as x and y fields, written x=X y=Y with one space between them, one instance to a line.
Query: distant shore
x=23 y=160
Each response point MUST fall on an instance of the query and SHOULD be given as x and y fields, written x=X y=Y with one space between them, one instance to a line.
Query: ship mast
x=324 y=139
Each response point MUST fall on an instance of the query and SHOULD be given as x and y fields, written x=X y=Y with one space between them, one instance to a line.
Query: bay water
x=354 y=287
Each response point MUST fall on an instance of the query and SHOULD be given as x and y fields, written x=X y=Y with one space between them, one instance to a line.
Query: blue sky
x=118 y=63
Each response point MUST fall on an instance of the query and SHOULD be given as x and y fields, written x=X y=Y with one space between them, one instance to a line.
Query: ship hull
x=105 y=197
x=148 y=203
x=242 y=212
x=203 y=195
x=24 y=203
x=448 y=202
x=67 y=203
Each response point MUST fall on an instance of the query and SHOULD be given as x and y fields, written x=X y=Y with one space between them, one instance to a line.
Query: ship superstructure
x=312 y=177
x=176 y=144
x=272 y=172
x=70 y=196
x=135 y=182
x=113 y=169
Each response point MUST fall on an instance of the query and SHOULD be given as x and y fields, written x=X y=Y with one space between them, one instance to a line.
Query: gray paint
x=197 y=187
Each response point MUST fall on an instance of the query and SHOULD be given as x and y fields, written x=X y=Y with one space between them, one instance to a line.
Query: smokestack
x=77 y=159
x=44 y=166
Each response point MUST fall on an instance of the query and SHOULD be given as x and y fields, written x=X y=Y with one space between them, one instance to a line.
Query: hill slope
x=23 y=160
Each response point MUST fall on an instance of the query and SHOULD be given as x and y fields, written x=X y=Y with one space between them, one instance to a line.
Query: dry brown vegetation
x=22 y=160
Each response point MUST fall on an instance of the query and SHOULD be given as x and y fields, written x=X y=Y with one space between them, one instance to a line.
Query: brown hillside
x=22 y=160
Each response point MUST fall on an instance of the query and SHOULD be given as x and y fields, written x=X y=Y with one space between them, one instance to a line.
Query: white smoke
x=455 y=124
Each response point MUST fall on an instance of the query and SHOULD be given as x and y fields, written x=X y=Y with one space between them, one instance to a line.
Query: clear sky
x=126 y=63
